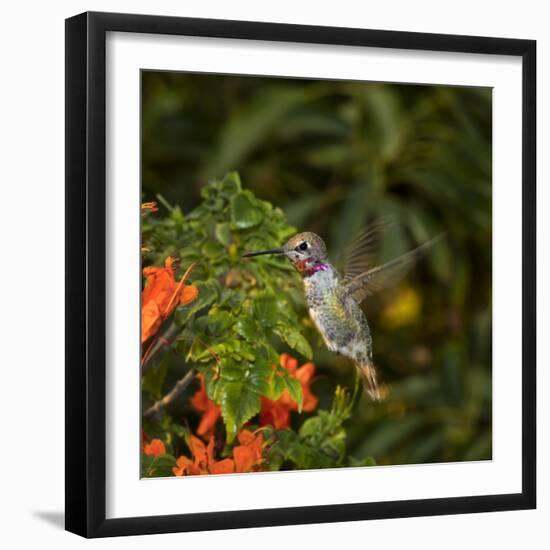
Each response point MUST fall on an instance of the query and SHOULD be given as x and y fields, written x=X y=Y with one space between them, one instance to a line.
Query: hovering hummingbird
x=334 y=301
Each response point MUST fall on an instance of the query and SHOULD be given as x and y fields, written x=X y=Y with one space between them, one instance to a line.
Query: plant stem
x=356 y=387
x=171 y=396
x=156 y=345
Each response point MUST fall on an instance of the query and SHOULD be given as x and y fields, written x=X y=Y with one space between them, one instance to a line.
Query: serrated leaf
x=276 y=387
x=247 y=328
x=295 y=390
x=259 y=374
x=198 y=351
x=219 y=322
x=239 y=402
x=266 y=310
x=248 y=353
x=295 y=340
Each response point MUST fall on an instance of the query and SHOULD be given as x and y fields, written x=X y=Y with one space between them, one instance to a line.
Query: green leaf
x=244 y=211
x=223 y=233
x=266 y=310
x=311 y=427
x=239 y=403
x=212 y=250
x=248 y=329
x=153 y=379
x=208 y=293
x=294 y=389
x=320 y=442
x=146 y=462
x=276 y=387
x=335 y=444
x=157 y=466
x=231 y=184
x=295 y=340
x=219 y=322
x=259 y=380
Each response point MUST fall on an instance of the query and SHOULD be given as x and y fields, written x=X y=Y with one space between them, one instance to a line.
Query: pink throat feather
x=309 y=270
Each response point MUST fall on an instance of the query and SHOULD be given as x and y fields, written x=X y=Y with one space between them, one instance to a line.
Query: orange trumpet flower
x=155 y=448
x=203 y=460
x=162 y=295
x=277 y=413
x=247 y=457
x=210 y=411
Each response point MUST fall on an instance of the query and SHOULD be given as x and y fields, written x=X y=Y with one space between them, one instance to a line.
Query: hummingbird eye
x=303 y=246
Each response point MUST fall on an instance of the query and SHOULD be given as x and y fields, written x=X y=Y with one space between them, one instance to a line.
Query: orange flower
x=203 y=460
x=155 y=448
x=149 y=207
x=211 y=411
x=185 y=467
x=277 y=413
x=248 y=455
x=162 y=295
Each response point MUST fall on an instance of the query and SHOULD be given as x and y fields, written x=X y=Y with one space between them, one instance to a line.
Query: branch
x=171 y=396
x=156 y=345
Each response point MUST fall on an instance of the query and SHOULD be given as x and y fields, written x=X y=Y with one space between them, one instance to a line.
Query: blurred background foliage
x=334 y=156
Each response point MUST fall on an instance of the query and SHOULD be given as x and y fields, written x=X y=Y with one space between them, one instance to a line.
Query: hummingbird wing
x=359 y=256
x=387 y=274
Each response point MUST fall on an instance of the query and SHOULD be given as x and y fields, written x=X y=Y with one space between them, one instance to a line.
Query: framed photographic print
x=300 y=274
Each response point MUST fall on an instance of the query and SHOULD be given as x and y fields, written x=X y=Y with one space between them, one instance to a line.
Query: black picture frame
x=86 y=278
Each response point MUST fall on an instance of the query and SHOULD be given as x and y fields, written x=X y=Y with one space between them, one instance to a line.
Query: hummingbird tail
x=369 y=379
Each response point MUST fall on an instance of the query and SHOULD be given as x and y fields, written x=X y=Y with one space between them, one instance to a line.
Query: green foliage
x=157 y=466
x=243 y=313
x=320 y=442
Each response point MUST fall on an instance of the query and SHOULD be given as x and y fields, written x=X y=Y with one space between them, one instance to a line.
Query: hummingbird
x=334 y=300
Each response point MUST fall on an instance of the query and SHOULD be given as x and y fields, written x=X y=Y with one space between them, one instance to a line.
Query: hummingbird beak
x=272 y=251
